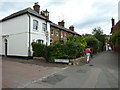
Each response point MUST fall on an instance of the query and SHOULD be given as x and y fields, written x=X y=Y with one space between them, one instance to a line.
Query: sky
x=85 y=15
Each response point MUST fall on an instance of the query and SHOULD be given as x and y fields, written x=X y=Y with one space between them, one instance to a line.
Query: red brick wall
x=116 y=27
x=55 y=37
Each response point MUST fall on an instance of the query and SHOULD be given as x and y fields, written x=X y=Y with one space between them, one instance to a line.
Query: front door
x=5 y=47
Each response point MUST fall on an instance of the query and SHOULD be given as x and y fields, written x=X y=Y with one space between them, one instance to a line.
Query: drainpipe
x=29 y=51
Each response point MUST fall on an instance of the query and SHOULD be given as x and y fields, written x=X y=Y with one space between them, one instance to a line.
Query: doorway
x=5 y=47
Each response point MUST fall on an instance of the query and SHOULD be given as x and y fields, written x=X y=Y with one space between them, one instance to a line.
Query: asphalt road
x=101 y=72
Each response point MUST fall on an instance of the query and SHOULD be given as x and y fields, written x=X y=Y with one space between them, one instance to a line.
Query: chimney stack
x=71 y=27
x=113 y=22
x=61 y=23
x=45 y=14
x=36 y=7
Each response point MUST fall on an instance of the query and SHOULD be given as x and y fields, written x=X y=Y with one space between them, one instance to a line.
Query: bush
x=73 y=48
x=38 y=50
x=94 y=44
x=115 y=38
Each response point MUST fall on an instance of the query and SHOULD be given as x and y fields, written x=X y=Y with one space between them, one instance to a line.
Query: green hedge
x=73 y=48
x=38 y=50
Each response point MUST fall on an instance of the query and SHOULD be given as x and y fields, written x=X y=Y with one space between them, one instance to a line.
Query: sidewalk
x=18 y=73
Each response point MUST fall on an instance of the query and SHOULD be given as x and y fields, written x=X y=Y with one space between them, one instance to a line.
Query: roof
x=65 y=29
x=24 y=11
x=34 y=13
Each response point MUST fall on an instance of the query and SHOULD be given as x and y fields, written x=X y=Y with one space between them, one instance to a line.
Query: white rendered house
x=20 y=29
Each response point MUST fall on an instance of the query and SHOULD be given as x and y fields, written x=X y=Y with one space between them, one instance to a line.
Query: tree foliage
x=115 y=38
x=98 y=33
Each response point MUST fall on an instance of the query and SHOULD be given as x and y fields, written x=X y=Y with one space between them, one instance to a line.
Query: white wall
x=39 y=34
x=17 y=29
x=0 y=38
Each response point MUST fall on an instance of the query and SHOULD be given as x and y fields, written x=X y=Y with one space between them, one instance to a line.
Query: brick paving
x=17 y=72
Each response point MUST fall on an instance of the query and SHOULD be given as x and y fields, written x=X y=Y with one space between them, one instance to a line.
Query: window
x=43 y=27
x=57 y=34
x=35 y=24
x=64 y=35
x=51 y=41
x=61 y=34
x=52 y=31
x=40 y=41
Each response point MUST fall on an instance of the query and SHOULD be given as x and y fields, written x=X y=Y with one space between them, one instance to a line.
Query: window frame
x=40 y=41
x=43 y=27
x=52 y=32
x=35 y=25
x=57 y=32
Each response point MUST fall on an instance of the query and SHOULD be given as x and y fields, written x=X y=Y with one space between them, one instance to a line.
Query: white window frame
x=35 y=25
x=57 y=32
x=52 y=32
x=40 y=41
x=61 y=34
x=43 y=27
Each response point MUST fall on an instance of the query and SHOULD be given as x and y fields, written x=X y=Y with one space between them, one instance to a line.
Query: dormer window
x=35 y=25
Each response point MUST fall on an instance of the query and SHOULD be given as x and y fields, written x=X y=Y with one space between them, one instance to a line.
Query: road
x=101 y=72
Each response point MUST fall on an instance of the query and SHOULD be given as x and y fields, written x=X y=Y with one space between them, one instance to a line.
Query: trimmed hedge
x=38 y=50
x=71 y=49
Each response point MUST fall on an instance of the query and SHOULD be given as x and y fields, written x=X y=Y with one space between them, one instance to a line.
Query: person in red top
x=88 y=52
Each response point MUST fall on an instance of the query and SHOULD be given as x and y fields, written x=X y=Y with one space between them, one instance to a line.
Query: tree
x=98 y=33
x=93 y=43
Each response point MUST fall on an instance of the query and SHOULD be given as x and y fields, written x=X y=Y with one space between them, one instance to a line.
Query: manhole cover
x=91 y=65
x=53 y=79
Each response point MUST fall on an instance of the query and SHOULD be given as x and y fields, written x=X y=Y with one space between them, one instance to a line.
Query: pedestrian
x=87 y=53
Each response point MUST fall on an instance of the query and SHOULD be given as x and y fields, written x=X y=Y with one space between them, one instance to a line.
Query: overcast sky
x=83 y=14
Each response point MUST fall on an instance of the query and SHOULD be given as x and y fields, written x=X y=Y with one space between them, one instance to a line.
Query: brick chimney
x=61 y=23
x=36 y=7
x=71 y=27
x=45 y=14
x=113 y=22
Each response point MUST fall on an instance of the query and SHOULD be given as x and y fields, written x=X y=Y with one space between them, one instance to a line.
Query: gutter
x=29 y=51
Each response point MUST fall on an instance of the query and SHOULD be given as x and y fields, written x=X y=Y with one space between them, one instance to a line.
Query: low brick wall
x=39 y=58
x=76 y=61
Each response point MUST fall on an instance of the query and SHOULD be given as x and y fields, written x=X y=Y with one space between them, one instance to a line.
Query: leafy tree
x=115 y=38
x=80 y=43
x=98 y=33
x=93 y=43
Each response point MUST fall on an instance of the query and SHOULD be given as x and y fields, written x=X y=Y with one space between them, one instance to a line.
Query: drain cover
x=91 y=65
x=53 y=79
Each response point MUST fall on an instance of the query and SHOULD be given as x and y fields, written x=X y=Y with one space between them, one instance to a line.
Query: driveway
x=18 y=73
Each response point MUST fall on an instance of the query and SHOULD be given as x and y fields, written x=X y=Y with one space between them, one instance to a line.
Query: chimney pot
x=61 y=23
x=71 y=27
x=113 y=22
x=36 y=7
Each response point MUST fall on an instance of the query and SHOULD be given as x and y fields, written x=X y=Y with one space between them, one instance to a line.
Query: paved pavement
x=18 y=73
x=101 y=72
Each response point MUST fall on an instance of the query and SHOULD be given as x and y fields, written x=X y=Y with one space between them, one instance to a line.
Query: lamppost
x=46 y=13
